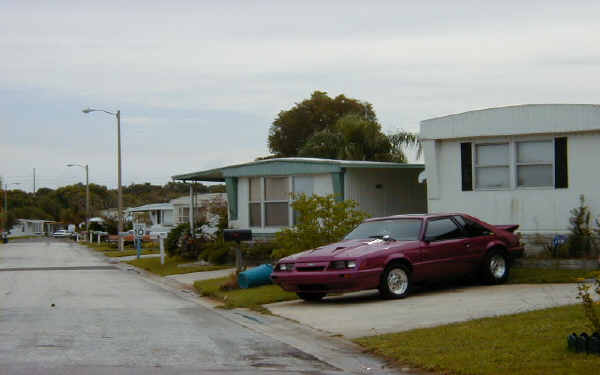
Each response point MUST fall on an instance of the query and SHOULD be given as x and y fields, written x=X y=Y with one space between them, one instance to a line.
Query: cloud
x=198 y=83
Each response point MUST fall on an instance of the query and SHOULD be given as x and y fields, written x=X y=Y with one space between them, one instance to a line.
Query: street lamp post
x=87 y=194
x=6 y=204
x=120 y=193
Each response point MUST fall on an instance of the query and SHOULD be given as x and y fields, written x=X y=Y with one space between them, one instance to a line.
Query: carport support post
x=98 y=238
x=162 y=249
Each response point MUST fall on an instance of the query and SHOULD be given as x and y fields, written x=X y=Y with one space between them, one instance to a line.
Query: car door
x=443 y=251
x=477 y=239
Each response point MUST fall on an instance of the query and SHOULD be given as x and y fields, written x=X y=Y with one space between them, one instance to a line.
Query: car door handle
x=467 y=245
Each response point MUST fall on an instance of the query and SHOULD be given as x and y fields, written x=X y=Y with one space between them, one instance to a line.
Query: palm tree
x=400 y=141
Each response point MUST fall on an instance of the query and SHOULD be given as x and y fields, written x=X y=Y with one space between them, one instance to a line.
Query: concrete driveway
x=365 y=313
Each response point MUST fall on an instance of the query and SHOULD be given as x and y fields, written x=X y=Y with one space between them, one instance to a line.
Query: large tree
x=352 y=137
x=336 y=128
x=293 y=127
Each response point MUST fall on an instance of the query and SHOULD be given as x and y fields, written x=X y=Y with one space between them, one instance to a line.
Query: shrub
x=588 y=303
x=171 y=245
x=258 y=252
x=580 y=242
x=319 y=220
x=217 y=252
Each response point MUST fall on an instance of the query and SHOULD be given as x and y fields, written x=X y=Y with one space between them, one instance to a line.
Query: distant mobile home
x=525 y=164
x=259 y=193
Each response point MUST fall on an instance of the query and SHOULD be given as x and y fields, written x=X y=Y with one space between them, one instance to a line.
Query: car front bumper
x=327 y=281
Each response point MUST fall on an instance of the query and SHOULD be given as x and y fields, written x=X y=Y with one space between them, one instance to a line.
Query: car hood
x=347 y=249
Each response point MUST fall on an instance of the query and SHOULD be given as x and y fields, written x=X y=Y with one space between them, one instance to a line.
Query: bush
x=171 y=245
x=258 y=252
x=319 y=221
x=588 y=303
x=217 y=252
x=581 y=241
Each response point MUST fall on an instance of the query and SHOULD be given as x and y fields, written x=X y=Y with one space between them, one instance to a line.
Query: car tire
x=311 y=297
x=495 y=267
x=395 y=282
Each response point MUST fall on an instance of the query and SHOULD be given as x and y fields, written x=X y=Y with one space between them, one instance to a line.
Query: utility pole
x=33 y=180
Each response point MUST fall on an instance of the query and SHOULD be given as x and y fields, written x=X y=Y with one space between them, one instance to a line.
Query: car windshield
x=397 y=229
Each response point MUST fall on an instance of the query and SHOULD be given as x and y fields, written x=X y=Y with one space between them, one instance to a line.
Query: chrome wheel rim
x=397 y=281
x=498 y=266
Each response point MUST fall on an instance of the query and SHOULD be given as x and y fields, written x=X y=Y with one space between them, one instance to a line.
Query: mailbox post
x=238 y=235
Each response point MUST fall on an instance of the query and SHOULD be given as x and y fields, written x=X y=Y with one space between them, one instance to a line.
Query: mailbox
x=237 y=235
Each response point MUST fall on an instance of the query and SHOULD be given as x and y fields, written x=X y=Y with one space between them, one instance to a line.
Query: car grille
x=310 y=269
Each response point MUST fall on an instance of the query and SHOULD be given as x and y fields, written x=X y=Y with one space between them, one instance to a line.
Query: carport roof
x=288 y=166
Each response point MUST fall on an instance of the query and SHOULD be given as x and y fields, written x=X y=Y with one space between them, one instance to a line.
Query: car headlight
x=342 y=264
x=286 y=266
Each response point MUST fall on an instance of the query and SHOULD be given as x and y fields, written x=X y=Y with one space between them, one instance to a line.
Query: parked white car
x=62 y=233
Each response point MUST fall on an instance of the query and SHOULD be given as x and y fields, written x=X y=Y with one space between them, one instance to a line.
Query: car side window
x=471 y=228
x=442 y=229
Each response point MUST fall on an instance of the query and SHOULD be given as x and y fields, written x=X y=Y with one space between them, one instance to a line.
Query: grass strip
x=252 y=298
x=525 y=344
x=520 y=275
x=171 y=266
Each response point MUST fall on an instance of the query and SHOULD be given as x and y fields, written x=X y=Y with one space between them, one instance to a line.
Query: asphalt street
x=66 y=310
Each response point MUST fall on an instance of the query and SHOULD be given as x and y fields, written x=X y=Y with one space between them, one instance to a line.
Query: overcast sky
x=200 y=82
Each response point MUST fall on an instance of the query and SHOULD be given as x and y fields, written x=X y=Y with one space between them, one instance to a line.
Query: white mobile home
x=259 y=196
x=525 y=164
x=162 y=217
x=29 y=227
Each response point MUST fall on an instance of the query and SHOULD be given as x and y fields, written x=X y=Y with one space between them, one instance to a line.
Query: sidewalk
x=189 y=278
x=133 y=257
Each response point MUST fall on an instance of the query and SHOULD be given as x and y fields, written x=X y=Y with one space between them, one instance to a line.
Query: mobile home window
x=277 y=195
x=302 y=185
x=535 y=164
x=492 y=166
x=255 y=202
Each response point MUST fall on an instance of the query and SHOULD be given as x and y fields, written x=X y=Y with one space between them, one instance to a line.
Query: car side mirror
x=428 y=239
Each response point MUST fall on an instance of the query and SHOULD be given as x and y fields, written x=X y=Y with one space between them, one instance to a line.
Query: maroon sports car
x=392 y=253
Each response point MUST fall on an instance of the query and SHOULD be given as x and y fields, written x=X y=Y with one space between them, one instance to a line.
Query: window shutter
x=561 y=169
x=466 y=166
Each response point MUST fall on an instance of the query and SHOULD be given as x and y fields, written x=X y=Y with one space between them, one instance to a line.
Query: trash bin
x=255 y=276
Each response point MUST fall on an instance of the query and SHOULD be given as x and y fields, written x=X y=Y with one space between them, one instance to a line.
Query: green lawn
x=525 y=344
x=170 y=267
x=543 y=275
x=251 y=298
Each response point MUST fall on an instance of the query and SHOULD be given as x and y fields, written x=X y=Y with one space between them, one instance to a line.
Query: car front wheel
x=311 y=297
x=395 y=282
x=496 y=268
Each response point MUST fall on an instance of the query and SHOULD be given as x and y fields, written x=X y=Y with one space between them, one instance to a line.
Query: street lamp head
x=87 y=110
x=70 y=165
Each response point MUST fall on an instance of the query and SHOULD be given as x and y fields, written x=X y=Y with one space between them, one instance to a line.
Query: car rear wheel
x=311 y=297
x=395 y=282
x=496 y=268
